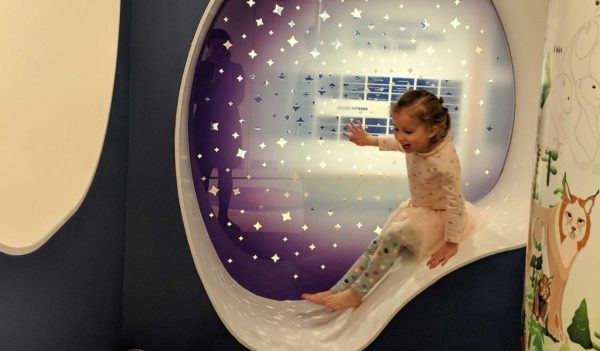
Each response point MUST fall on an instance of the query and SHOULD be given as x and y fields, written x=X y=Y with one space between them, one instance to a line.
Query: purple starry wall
x=288 y=203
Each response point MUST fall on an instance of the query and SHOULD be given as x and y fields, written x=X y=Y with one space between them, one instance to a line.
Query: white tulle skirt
x=427 y=227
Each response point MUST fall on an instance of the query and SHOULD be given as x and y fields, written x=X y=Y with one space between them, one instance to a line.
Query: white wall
x=57 y=67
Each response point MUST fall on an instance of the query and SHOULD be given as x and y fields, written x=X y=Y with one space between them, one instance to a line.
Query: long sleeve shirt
x=434 y=180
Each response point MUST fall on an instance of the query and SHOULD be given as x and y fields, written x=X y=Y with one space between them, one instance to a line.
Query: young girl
x=435 y=218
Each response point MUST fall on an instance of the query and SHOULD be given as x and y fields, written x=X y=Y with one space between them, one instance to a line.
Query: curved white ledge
x=57 y=66
x=265 y=324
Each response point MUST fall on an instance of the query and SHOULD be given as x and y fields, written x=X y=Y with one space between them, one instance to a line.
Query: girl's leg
x=351 y=275
x=386 y=252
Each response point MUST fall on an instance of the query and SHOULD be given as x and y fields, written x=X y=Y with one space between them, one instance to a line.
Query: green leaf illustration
x=579 y=330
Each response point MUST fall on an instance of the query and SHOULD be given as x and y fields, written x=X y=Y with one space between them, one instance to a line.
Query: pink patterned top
x=434 y=179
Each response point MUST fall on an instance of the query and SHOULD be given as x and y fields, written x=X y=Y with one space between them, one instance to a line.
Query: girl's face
x=412 y=134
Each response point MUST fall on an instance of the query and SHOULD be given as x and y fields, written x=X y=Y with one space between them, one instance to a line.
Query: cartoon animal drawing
x=564 y=230
x=541 y=297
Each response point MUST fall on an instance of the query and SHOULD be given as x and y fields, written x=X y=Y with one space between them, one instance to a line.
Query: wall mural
x=561 y=303
x=288 y=203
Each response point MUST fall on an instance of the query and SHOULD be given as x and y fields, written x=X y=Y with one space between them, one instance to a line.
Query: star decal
x=241 y=153
x=278 y=9
x=292 y=41
x=356 y=13
x=281 y=142
x=286 y=216
x=324 y=15
x=214 y=190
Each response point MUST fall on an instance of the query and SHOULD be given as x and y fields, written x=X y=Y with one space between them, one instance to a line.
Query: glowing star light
x=241 y=153
x=292 y=41
x=257 y=226
x=214 y=190
x=337 y=43
x=455 y=23
x=278 y=9
x=286 y=216
x=377 y=230
x=315 y=53
x=275 y=258
x=356 y=13
x=259 y=22
x=324 y=15
x=227 y=44
x=252 y=54
x=281 y=142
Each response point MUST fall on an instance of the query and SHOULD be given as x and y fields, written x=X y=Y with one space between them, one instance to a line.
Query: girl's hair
x=428 y=108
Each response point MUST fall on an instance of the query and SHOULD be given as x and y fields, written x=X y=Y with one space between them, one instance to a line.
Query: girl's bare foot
x=345 y=299
x=318 y=298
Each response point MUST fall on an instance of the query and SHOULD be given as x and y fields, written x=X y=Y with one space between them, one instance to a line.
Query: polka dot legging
x=372 y=265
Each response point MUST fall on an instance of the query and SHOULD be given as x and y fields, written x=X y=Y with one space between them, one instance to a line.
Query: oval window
x=289 y=204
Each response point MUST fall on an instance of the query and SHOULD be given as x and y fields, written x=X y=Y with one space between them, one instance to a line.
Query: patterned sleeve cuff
x=388 y=143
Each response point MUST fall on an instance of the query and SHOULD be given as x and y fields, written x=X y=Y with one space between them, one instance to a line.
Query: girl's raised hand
x=358 y=135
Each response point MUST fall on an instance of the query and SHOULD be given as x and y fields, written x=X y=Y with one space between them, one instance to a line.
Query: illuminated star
x=322 y=164
x=455 y=23
x=322 y=266
x=236 y=191
x=214 y=190
x=424 y=24
x=304 y=227
x=478 y=50
x=257 y=225
x=291 y=24
x=356 y=13
x=282 y=142
x=227 y=44
x=312 y=247
x=275 y=258
x=486 y=172
x=235 y=135
x=262 y=145
x=230 y=260
x=430 y=50
x=295 y=276
x=214 y=126
x=259 y=22
x=386 y=18
x=477 y=152
x=359 y=225
x=241 y=153
x=481 y=102
x=250 y=2
x=315 y=53
x=270 y=62
x=240 y=238
x=456 y=2
x=335 y=245
x=253 y=54
x=199 y=155
x=239 y=78
x=278 y=9
x=330 y=213
x=286 y=216
x=324 y=15
x=337 y=226
x=377 y=230
x=337 y=43
x=286 y=195
x=292 y=41
x=254 y=257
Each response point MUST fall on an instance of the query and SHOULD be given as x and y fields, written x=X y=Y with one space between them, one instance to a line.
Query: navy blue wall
x=68 y=294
